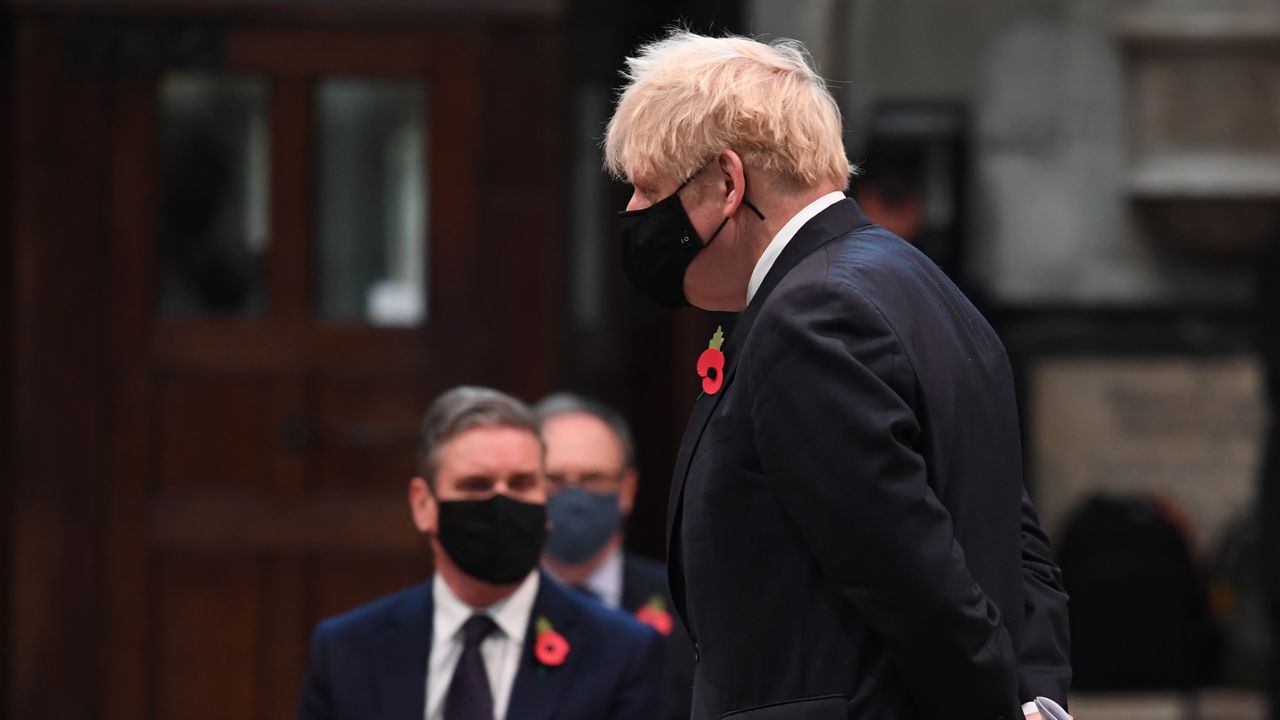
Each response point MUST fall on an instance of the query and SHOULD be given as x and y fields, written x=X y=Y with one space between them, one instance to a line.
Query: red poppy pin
x=655 y=615
x=550 y=647
x=711 y=364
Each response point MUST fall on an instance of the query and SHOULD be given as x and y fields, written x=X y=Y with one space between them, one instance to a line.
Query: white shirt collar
x=606 y=581
x=511 y=614
x=788 y=231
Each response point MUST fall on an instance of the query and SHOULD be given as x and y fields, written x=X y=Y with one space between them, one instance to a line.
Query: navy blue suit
x=371 y=663
x=848 y=532
x=642 y=581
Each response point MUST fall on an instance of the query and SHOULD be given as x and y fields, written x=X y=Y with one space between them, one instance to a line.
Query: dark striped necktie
x=469 y=696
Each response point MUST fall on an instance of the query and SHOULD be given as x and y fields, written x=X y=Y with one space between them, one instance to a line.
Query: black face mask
x=497 y=540
x=659 y=242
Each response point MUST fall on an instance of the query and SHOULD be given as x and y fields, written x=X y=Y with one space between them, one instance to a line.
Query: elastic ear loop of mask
x=745 y=201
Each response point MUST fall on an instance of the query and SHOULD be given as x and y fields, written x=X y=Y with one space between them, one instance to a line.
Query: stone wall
x=1053 y=88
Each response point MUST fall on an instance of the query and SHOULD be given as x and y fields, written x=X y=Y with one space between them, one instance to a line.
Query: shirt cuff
x=1028 y=708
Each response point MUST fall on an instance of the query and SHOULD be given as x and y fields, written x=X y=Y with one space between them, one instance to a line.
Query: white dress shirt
x=605 y=582
x=500 y=651
x=788 y=231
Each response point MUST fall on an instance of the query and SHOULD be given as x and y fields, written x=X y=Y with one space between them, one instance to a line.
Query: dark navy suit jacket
x=848 y=532
x=643 y=580
x=371 y=663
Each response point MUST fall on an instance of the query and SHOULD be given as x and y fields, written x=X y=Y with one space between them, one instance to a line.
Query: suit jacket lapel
x=702 y=410
x=404 y=645
x=538 y=688
x=835 y=221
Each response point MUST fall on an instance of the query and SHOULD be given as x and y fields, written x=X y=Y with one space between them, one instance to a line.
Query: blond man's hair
x=689 y=96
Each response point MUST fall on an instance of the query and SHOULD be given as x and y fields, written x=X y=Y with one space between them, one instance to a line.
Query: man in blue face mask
x=591 y=485
x=591 y=480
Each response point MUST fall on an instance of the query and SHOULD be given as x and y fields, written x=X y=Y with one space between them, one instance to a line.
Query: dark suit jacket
x=371 y=663
x=642 y=580
x=847 y=513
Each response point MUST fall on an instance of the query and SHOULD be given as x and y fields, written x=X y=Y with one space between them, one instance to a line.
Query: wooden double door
x=248 y=253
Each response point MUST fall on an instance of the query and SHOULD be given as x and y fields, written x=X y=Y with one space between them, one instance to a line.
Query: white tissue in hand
x=1051 y=710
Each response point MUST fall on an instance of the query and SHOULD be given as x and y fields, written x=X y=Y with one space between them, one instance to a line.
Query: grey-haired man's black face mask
x=497 y=540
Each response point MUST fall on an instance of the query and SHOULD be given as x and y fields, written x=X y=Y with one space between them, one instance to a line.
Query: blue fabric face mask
x=581 y=523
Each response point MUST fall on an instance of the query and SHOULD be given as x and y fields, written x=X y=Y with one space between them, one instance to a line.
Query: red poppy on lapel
x=655 y=615
x=711 y=364
x=549 y=647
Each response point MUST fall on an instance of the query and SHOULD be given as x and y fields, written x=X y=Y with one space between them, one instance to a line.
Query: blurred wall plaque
x=1204 y=95
x=1184 y=428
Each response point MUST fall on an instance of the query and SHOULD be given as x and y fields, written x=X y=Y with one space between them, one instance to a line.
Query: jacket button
x=697 y=655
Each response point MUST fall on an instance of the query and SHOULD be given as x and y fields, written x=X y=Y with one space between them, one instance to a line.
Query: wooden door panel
x=214 y=431
x=59 y=327
x=287 y=629
x=248 y=475
x=369 y=429
x=207 y=631
x=237 y=522
x=340 y=581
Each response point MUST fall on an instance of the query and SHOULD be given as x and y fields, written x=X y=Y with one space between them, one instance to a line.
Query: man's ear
x=627 y=492
x=733 y=179
x=423 y=506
